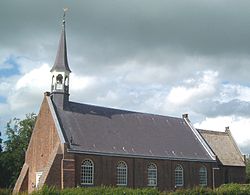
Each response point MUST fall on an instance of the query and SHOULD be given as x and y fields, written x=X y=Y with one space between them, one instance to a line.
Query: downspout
x=213 y=169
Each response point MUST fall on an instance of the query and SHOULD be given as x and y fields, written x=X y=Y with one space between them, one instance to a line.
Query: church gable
x=44 y=140
x=224 y=146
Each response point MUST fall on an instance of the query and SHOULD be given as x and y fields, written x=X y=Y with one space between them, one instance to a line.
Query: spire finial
x=64 y=14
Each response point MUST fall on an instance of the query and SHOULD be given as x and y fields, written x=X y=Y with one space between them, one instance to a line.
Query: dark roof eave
x=226 y=165
x=139 y=156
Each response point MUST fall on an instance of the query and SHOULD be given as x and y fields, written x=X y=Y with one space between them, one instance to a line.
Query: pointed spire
x=61 y=61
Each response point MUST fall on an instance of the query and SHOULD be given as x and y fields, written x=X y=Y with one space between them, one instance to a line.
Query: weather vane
x=64 y=13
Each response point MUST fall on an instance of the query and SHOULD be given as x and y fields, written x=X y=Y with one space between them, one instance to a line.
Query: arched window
x=203 y=176
x=122 y=172
x=59 y=79
x=178 y=176
x=87 y=172
x=152 y=175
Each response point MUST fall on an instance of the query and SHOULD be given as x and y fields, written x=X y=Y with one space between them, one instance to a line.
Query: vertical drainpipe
x=133 y=172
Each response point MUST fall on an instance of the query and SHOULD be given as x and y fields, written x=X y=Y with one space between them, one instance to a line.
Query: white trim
x=54 y=116
x=201 y=140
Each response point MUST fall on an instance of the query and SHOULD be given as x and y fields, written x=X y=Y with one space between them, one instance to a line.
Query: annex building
x=76 y=144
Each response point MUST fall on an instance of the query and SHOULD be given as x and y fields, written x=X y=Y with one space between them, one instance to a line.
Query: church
x=82 y=145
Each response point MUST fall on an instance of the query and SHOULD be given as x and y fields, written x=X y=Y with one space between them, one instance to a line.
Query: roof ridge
x=124 y=110
x=212 y=131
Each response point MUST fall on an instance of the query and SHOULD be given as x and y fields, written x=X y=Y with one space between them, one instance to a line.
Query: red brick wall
x=44 y=139
x=54 y=177
x=105 y=171
x=68 y=173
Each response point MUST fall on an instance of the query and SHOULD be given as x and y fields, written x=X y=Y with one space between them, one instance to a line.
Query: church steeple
x=61 y=61
x=61 y=71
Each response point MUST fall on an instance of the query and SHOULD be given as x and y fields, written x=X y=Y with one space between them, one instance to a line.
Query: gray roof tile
x=101 y=130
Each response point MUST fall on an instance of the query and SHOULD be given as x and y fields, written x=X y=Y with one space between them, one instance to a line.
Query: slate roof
x=106 y=131
x=224 y=146
x=61 y=61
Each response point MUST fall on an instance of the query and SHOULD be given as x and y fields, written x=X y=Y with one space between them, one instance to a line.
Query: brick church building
x=76 y=144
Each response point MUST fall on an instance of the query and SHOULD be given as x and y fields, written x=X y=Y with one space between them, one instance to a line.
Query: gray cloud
x=114 y=31
x=138 y=50
x=212 y=108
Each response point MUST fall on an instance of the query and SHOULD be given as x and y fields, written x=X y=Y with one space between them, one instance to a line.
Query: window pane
x=152 y=175
x=179 y=176
x=121 y=174
x=203 y=176
x=87 y=174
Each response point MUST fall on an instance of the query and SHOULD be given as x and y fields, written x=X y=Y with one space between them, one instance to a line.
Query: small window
x=38 y=177
x=122 y=172
x=152 y=175
x=87 y=172
x=59 y=79
x=203 y=176
x=178 y=176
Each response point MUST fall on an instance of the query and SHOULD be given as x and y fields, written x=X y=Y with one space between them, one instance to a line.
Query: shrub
x=96 y=191
x=232 y=189
x=239 y=189
x=192 y=191
x=4 y=191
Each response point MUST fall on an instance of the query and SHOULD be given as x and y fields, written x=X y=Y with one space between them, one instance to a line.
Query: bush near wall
x=227 y=189
x=97 y=191
x=239 y=189
x=5 y=191
x=231 y=189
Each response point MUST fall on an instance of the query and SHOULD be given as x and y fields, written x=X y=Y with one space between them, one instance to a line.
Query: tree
x=18 y=134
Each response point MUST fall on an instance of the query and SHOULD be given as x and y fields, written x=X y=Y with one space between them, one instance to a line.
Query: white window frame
x=179 y=176
x=152 y=174
x=203 y=176
x=38 y=177
x=121 y=174
x=87 y=172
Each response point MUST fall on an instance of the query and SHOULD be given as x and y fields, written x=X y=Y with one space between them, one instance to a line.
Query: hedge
x=232 y=189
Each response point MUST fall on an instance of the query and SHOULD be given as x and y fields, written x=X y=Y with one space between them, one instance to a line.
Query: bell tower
x=61 y=71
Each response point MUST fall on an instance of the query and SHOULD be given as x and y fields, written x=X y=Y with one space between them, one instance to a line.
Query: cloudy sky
x=163 y=57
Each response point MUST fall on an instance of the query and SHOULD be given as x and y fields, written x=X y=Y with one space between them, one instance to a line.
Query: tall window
x=203 y=176
x=152 y=175
x=87 y=174
x=122 y=172
x=178 y=176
